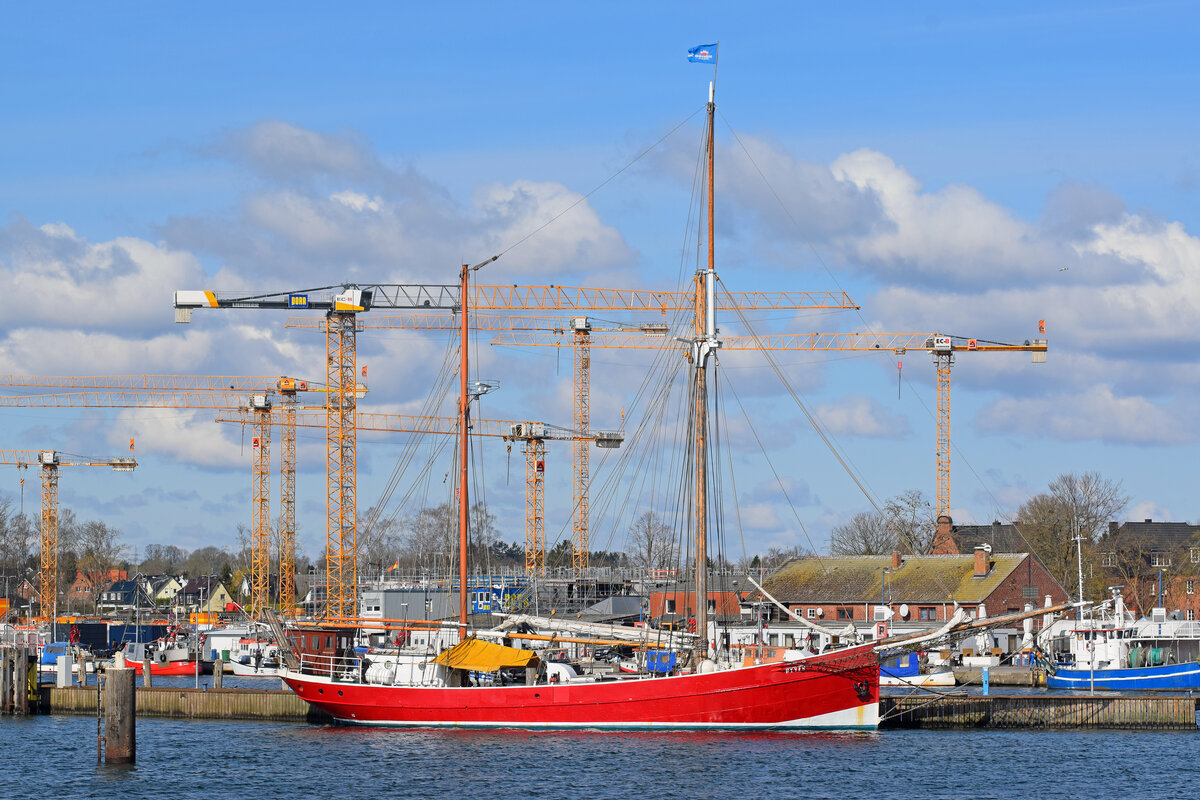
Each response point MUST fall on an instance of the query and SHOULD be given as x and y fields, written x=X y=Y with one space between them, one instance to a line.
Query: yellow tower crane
x=50 y=461
x=943 y=348
x=199 y=392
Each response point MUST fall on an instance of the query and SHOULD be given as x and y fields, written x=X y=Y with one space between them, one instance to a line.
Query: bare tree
x=1127 y=558
x=650 y=542
x=867 y=533
x=910 y=516
x=379 y=541
x=101 y=553
x=430 y=537
x=1091 y=500
x=1073 y=504
x=16 y=543
x=207 y=561
x=166 y=558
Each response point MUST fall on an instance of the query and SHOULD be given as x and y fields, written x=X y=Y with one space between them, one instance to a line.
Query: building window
x=812 y=613
x=1195 y=554
x=1158 y=559
x=1190 y=587
x=927 y=613
x=845 y=613
x=1109 y=560
x=670 y=606
x=712 y=605
x=1191 y=615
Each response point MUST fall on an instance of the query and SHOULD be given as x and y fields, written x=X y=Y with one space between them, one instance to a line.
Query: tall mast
x=463 y=422
x=703 y=346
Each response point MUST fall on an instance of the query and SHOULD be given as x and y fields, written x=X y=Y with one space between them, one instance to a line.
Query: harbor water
x=55 y=756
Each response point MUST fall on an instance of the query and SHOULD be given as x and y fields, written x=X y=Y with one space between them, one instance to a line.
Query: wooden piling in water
x=218 y=674
x=120 y=716
x=21 y=683
x=6 y=703
x=147 y=679
x=279 y=705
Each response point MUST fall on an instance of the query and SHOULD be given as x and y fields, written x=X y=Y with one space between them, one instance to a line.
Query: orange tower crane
x=532 y=435
x=50 y=461
x=566 y=298
x=942 y=347
x=343 y=303
x=215 y=392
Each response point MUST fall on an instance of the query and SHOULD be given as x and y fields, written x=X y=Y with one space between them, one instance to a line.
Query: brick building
x=916 y=588
x=1137 y=555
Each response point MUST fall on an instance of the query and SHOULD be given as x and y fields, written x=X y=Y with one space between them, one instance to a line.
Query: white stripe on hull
x=864 y=717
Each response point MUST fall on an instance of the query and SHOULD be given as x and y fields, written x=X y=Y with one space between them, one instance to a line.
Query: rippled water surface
x=55 y=757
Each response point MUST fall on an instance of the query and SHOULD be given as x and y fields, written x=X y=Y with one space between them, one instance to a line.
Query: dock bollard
x=120 y=717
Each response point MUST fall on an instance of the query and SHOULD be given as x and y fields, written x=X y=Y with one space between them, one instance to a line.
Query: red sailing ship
x=837 y=688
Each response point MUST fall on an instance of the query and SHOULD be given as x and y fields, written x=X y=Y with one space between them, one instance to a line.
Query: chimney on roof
x=896 y=560
x=1112 y=527
x=943 y=542
x=983 y=561
x=1149 y=520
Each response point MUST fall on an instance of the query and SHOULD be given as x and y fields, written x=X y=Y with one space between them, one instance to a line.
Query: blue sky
x=942 y=163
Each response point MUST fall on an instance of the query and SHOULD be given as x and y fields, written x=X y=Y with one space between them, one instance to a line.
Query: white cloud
x=1095 y=414
x=855 y=415
x=1149 y=509
x=357 y=200
x=189 y=437
x=57 y=279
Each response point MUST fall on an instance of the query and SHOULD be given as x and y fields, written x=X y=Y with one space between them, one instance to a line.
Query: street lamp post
x=199 y=611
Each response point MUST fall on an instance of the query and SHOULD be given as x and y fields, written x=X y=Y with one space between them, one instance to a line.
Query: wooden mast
x=703 y=346
x=463 y=423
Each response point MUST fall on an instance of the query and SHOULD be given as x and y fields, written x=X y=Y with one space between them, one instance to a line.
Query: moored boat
x=908 y=670
x=1113 y=653
x=482 y=684
x=255 y=656
x=176 y=654
x=837 y=689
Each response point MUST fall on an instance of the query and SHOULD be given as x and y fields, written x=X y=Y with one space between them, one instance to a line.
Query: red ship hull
x=832 y=690
x=171 y=668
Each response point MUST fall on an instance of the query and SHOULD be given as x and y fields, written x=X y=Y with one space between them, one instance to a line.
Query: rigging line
x=598 y=187
x=695 y=203
x=662 y=366
x=413 y=445
x=843 y=460
x=817 y=427
x=858 y=312
x=778 y=478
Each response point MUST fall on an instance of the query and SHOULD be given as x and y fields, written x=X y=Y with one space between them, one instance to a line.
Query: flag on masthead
x=703 y=54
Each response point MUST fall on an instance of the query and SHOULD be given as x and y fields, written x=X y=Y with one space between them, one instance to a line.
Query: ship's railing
x=345 y=667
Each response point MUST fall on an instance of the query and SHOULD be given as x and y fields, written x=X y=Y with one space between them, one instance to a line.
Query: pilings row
x=18 y=680
x=251 y=704
x=1138 y=712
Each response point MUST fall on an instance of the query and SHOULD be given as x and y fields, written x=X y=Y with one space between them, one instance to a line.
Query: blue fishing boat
x=1165 y=677
x=1115 y=653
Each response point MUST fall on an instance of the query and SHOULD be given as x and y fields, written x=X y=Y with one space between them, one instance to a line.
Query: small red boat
x=173 y=655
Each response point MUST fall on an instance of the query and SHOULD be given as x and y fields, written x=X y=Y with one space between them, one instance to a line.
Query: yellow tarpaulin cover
x=481 y=656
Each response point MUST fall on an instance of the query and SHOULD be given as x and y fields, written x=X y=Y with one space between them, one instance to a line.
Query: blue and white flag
x=703 y=54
